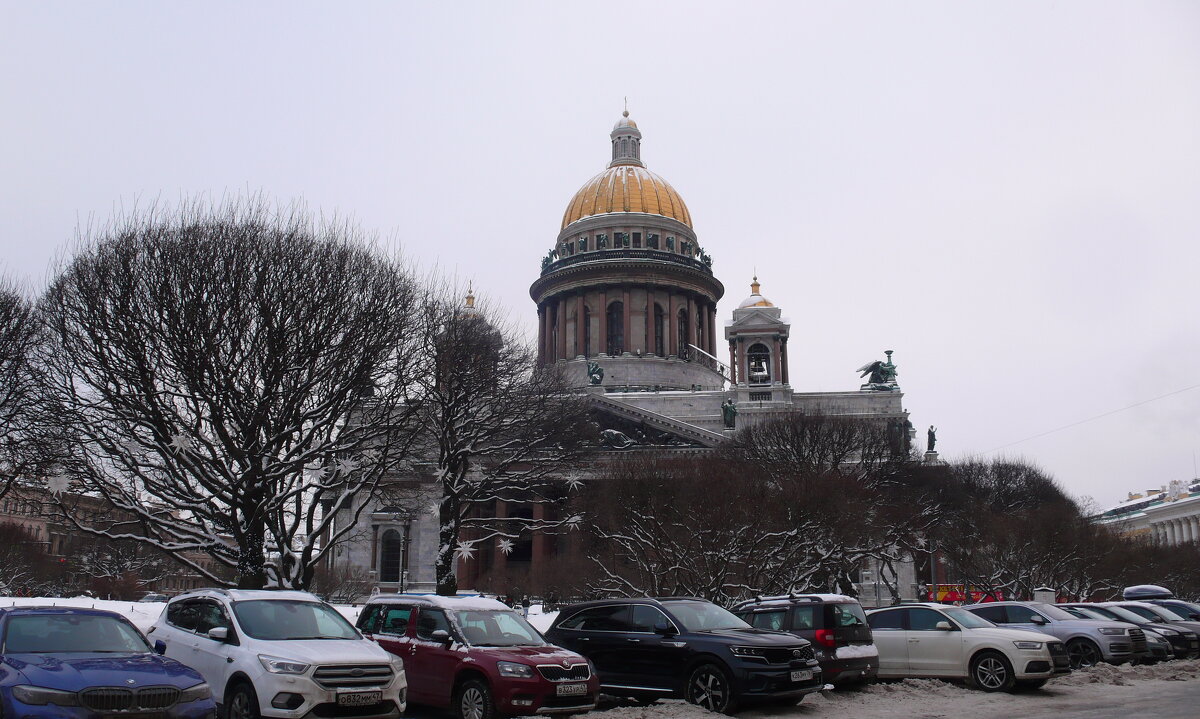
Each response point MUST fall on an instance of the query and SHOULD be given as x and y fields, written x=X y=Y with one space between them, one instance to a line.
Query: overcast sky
x=1006 y=194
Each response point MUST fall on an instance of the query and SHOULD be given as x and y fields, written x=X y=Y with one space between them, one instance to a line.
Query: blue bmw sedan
x=69 y=663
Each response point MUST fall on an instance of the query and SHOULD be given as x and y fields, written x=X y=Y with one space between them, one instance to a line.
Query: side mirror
x=440 y=635
x=220 y=634
x=664 y=629
x=1038 y=620
x=160 y=648
x=944 y=626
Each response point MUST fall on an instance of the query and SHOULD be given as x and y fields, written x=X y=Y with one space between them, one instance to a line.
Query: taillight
x=825 y=638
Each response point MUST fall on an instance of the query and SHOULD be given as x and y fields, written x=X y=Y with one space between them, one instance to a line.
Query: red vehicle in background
x=957 y=594
x=478 y=657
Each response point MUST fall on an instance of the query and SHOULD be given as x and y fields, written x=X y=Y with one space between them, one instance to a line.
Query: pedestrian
x=525 y=606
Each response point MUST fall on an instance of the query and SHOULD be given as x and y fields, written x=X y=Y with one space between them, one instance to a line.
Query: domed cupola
x=627 y=278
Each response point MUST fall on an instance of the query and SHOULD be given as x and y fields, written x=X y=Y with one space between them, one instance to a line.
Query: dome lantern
x=626 y=142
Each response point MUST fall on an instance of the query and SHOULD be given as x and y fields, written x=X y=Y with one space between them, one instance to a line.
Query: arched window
x=758 y=357
x=616 y=328
x=681 y=350
x=659 y=327
x=391 y=556
x=587 y=332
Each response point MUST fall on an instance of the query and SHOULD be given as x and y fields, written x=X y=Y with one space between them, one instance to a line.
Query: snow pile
x=142 y=614
x=1126 y=675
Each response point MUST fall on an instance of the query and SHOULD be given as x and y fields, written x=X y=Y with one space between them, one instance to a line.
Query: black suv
x=835 y=624
x=684 y=647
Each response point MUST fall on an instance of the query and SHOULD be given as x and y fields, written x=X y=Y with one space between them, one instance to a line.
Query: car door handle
x=583 y=639
x=633 y=640
x=913 y=641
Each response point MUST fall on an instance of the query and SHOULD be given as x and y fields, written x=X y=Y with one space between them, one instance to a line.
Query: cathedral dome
x=755 y=299
x=626 y=188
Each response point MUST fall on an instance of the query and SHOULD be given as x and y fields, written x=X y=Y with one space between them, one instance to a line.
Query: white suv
x=934 y=640
x=280 y=654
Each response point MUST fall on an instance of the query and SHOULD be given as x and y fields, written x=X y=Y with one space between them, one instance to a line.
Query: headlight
x=41 y=696
x=397 y=663
x=1112 y=631
x=1028 y=645
x=1167 y=632
x=196 y=693
x=279 y=665
x=749 y=652
x=514 y=670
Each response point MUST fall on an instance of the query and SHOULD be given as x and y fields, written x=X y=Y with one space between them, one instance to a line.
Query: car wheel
x=1031 y=683
x=242 y=702
x=474 y=701
x=1083 y=653
x=991 y=672
x=709 y=686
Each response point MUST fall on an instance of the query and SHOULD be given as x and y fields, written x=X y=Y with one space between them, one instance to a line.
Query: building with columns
x=627 y=305
x=1168 y=515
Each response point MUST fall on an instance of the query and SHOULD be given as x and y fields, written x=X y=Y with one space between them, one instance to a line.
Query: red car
x=478 y=657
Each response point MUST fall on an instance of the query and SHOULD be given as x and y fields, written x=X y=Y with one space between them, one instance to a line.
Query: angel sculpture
x=881 y=375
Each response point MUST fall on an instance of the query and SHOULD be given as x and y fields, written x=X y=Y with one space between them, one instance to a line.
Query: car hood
x=547 y=654
x=325 y=651
x=755 y=637
x=1013 y=635
x=72 y=672
x=1086 y=624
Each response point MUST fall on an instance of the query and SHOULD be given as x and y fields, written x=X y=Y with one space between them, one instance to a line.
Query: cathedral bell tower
x=757 y=339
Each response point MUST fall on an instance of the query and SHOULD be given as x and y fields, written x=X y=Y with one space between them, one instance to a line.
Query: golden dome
x=755 y=299
x=626 y=188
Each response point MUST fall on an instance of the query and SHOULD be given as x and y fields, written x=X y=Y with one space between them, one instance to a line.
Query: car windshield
x=69 y=633
x=966 y=619
x=497 y=628
x=283 y=619
x=1143 y=612
x=1053 y=612
x=696 y=616
x=1179 y=605
x=1122 y=613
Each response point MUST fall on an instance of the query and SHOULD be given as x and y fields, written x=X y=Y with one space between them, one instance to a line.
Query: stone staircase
x=658 y=421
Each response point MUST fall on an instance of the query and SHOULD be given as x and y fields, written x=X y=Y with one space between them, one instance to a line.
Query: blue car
x=67 y=663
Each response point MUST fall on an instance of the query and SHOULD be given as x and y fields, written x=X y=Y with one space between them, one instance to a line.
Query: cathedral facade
x=627 y=305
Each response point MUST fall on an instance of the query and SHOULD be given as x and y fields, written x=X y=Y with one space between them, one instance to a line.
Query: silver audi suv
x=1089 y=641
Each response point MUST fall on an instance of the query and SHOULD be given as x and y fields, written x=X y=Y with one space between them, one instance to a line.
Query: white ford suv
x=280 y=654
x=934 y=640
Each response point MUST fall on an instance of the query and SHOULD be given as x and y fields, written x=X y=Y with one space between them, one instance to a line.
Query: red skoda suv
x=477 y=657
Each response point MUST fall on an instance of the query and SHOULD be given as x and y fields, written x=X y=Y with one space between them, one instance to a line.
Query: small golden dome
x=755 y=299
x=626 y=188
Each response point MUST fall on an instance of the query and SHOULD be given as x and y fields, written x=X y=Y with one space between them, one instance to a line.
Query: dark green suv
x=834 y=623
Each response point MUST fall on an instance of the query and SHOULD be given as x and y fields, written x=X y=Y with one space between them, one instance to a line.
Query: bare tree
x=20 y=334
x=231 y=377
x=497 y=429
x=342 y=582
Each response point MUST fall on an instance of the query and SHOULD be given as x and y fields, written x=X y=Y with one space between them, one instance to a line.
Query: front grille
x=1139 y=639
x=1058 y=652
x=558 y=673
x=350 y=676
x=107 y=699
x=783 y=655
x=118 y=699
x=157 y=697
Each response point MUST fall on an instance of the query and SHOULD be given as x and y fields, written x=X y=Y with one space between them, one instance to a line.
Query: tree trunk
x=447 y=582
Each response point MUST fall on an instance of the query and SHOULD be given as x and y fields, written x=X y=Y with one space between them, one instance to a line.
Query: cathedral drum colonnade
x=627 y=277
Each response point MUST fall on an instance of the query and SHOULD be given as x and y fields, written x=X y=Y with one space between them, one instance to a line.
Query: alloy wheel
x=709 y=689
x=1082 y=654
x=472 y=704
x=240 y=705
x=991 y=673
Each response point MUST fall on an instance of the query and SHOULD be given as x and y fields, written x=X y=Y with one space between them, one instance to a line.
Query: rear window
x=892 y=619
x=804 y=616
x=766 y=620
x=995 y=615
x=848 y=615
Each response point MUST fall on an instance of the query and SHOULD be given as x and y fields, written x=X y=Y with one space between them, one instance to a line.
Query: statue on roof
x=881 y=376
x=729 y=413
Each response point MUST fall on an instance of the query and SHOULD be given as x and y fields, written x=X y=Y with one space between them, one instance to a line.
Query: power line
x=1091 y=419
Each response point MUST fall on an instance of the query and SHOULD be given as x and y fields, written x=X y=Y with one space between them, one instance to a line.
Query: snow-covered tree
x=231 y=377
x=496 y=429
x=20 y=334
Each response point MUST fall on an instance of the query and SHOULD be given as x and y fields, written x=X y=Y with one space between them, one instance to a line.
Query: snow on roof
x=475 y=603
x=242 y=595
x=785 y=599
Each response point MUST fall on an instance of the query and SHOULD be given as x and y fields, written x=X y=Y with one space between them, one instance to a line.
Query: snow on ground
x=1086 y=693
x=142 y=614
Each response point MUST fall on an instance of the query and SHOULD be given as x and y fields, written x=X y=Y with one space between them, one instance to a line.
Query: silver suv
x=1089 y=641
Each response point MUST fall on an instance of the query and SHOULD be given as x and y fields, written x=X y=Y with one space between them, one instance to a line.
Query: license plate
x=572 y=690
x=359 y=699
x=801 y=675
